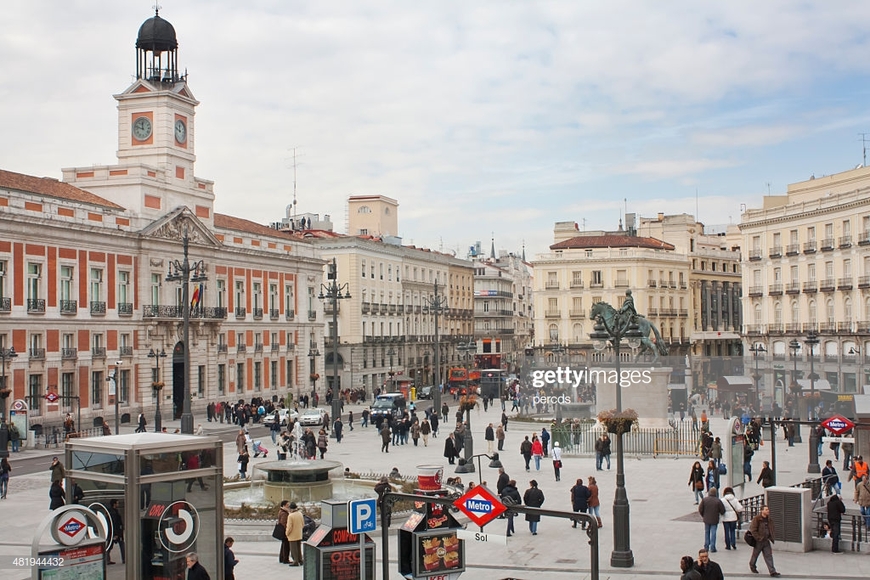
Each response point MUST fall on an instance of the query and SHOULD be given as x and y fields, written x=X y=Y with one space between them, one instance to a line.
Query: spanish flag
x=197 y=296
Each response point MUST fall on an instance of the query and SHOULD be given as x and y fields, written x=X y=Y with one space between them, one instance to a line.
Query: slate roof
x=52 y=188
x=611 y=241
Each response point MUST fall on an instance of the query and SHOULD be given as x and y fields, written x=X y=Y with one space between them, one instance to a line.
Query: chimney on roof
x=661 y=216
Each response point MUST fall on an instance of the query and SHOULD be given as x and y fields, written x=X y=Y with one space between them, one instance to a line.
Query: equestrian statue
x=619 y=320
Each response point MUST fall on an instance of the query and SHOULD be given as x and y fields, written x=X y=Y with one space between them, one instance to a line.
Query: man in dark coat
x=503 y=480
x=580 y=500
x=835 y=509
x=708 y=569
x=450 y=450
x=711 y=508
x=533 y=497
x=195 y=570
x=526 y=451
x=762 y=530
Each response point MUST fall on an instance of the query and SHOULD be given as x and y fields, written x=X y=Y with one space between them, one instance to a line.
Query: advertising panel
x=439 y=552
x=78 y=563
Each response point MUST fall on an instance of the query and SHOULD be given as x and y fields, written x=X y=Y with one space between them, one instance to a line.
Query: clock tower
x=155 y=114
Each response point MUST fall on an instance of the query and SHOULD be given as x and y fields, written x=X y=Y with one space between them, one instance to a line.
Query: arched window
x=578 y=333
x=847 y=309
x=777 y=313
x=812 y=308
x=829 y=311
x=757 y=313
x=364 y=209
x=554 y=333
x=795 y=312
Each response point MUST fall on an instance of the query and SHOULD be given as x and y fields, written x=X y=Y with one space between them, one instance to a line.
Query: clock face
x=142 y=128
x=180 y=131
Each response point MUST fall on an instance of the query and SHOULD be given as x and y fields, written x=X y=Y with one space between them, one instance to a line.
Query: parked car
x=311 y=417
x=285 y=415
x=425 y=392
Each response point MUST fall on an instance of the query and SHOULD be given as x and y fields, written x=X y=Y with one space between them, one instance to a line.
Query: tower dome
x=156 y=35
x=157 y=51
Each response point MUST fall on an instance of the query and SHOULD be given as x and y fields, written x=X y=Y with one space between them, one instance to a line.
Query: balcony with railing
x=863 y=326
x=36 y=353
x=792 y=327
x=683 y=313
x=125 y=309
x=98 y=308
x=6 y=304
x=596 y=284
x=289 y=314
x=69 y=306
x=663 y=283
x=683 y=285
x=125 y=351
x=864 y=238
x=258 y=347
x=160 y=311
x=620 y=283
x=755 y=255
x=792 y=249
x=844 y=326
x=331 y=307
x=312 y=315
x=774 y=289
x=651 y=283
x=652 y=312
x=810 y=247
x=98 y=352
x=775 y=252
x=275 y=347
x=793 y=288
x=273 y=313
x=756 y=291
x=551 y=285
x=845 y=241
x=811 y=287
x=69 y=353
x=553 y=314
x=222 y=348
x=776 y=328
x=810 y=327
x=827 y=244
x=576 y=283
x=240 y=348
x=844 y=283
x=241 y=312
x=577 y=313
x=828 y=327
x=258 y=313
x=827 y=285
x=36 y=306
x=754 y=329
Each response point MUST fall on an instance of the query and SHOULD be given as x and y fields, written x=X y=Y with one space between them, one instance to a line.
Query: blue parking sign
x=362 y=515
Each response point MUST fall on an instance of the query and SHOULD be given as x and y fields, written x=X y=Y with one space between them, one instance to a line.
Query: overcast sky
x=480 y=118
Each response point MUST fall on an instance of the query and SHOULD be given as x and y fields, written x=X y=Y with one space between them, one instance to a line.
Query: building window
x=67 y=286
x=155 y=289
x=96 y=390
x=240 y=294
x=221 y=378
x=258 y=375
x=597 y=278
x=123 y=386
x=364 y=209
x=240 y=377
x=221 y=293
x=34 y=392
x=34 y=277
x=96 y=285
x=200 y=381
x=273 y=375
x=124 y=287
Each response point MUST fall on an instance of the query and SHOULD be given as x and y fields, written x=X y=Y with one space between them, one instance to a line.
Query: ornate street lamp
x=5 y=354
x=811 y=341
x=468 y=442
x=436 y=305
x=795 y=387
x=185 y=272
x=391 y=353
x=157 y=385
x=333 y=291
x=757 y=349
x=313 y=354
x=623 y=325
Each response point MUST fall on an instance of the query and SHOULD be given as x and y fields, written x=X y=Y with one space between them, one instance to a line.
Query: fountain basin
x=297 y=480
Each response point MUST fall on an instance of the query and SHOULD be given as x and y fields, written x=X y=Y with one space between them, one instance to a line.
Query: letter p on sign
x=363 y=516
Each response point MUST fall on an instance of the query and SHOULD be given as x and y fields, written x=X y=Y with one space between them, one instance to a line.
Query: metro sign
x=71 y=527
x=837 y=424
x=52 y=397
x=480 y=505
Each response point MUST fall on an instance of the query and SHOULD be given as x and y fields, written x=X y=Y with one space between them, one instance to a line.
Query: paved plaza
x=664 y=521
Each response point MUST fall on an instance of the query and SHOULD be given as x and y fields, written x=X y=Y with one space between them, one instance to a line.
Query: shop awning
x=734 y=383
x=821 y=385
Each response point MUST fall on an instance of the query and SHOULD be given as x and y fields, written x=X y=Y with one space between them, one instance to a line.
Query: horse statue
x=657 y=347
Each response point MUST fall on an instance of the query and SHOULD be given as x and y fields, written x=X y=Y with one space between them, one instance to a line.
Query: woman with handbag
x=557 y=459
x=280 y=532
x=696 y=481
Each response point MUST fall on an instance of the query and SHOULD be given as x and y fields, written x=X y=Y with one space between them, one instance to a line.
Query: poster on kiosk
x=428 y=544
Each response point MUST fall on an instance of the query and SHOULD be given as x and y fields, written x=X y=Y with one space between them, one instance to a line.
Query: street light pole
x=436 y=305
x=623 y=325
x=313 y=354
x=5 y=353
x=795 y=386
x=186 y=272
x=391 y=353
x=333 y=291
x=757 y=349
x=558 y=349
x=157 y=384
x=113 y=385
x=811 y=341
x=468 y=441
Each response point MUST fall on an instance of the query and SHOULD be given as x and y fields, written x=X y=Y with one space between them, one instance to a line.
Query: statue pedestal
x=646 y=393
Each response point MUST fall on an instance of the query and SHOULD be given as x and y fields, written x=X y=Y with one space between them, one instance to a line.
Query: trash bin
x=35 y=436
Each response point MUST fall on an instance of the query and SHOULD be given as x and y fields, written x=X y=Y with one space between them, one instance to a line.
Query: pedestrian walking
x=830 y=479
x=526 y=451
x=450 y=449
x=557 y=460
x=602 y=451
x=862 y=498
x=537 y=451
x=510 y=496
x=533 y=497
x=230 y=559
x=425 y=431
x=195 y=570
x=733 y=509
x=762 y=532
x=365 y=417
x=295 y=523
x=56 y=496
x=322 y=442
x=711 y=508
x=707 y=568
x=500 y=437
x=142 y=422
x=504 y=420
x=385 y=437
x=594 y=502
x=338 y=429
x=687 y=566
x=5 y=473
x=117 y=533
x=57 y=470
x=696 y=481
x=415 y=432
x=283 y=513
x=765 y=477
x=579 y=500
x=244 y=458
x=835 y=508
x=545 y=441
x=382 y=487
x=350 y=420
x=489 y=436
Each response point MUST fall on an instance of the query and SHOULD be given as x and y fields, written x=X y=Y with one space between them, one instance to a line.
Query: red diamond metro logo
x=71 y=527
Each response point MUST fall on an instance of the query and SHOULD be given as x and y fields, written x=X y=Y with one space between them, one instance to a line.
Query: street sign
x=362 y=515
x=52 y=397
x=837 y=424
x=480 y=537
x=480 y=505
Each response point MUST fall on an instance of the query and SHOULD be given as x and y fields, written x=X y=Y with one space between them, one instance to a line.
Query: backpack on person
x=722 y=469
x=308 y=527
